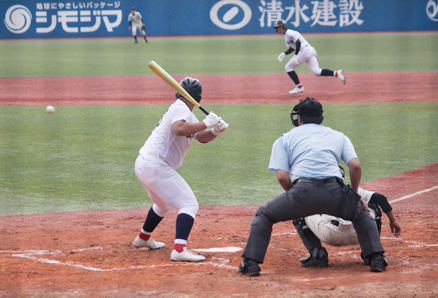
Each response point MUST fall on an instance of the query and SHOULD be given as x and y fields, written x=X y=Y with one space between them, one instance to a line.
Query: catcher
x=336 y=231
x=136 y=21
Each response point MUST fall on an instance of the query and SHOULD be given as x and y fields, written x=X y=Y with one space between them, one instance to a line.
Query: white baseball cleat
x=186 y=255
x=341 y=76
x=151 y=243
x=297 y=90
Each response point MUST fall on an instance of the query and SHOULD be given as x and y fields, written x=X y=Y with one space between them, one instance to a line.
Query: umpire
x=311 y=153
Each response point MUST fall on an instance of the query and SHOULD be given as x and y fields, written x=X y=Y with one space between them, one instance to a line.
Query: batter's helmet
x=192 y=86
x=310 y=111
x=280 y=23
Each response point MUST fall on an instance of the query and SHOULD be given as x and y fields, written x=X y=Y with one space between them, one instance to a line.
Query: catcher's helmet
x=280 y=23
x=309 y=108
x=192 y=86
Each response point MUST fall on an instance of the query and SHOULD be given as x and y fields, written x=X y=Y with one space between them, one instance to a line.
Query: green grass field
x=82 y=157
x=214 y=55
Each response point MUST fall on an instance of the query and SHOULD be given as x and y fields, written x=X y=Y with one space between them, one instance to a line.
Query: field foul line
x=415 y=243
x=50 y=252
x=414 y=194
x=96 y=269
x=35 y=255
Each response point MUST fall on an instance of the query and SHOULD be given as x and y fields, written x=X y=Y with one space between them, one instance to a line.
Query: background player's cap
x=133 y=8
x=309 y=107
x=280 y=23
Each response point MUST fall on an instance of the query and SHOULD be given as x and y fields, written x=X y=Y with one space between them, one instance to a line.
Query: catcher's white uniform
x=136 y=20
x=336 y=235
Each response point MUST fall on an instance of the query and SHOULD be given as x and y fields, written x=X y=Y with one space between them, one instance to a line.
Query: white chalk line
x=50 y=252
x=36 y=255
x=286 y=233
x=96 y=269
x=414 y=194
x=218 y=249
x=415 y=243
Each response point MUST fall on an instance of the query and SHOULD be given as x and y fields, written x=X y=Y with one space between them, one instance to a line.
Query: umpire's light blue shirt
x=312 y=151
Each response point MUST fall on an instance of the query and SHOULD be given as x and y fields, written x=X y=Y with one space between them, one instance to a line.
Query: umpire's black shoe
x=249 y=267
x=314 y=262
x=378 y=262
x=366 y=261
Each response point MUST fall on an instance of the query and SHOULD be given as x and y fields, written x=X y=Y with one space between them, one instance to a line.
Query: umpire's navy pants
x=304 y=199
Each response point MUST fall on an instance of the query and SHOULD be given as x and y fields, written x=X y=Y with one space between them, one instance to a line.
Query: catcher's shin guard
x=378 y=215
x=310 y=241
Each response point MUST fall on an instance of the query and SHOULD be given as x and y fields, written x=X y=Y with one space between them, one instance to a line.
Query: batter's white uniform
x=340 y=235
x=162 y=153
x=136 y=22
x=307 y=53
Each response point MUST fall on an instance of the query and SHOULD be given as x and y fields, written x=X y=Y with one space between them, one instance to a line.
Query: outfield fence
x=109 y=18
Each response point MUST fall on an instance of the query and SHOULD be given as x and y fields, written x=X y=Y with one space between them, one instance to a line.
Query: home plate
x=219 y=249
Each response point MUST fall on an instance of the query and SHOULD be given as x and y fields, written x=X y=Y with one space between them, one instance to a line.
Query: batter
x=156 y=165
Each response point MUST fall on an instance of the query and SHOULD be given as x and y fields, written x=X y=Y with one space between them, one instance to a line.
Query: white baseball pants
x=306 y=55
x=166 y=188
x=134 y=29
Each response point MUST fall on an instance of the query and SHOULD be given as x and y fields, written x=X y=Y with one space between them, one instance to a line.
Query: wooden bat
x=173 y=83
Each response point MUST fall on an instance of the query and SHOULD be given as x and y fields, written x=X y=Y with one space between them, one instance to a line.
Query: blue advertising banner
x=52 y=19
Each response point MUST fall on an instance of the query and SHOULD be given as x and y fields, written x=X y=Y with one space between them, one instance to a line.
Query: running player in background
x=304 y=52
x=136 y=21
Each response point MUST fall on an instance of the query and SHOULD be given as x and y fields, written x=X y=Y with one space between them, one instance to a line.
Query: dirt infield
x=89 y=254
x=83 y=254
x=220 y=89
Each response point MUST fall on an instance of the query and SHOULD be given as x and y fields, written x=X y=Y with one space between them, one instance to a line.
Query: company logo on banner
x=343 y=13
x=72 y=17
x=229 y=10
x=432 y=10
x=18 y=19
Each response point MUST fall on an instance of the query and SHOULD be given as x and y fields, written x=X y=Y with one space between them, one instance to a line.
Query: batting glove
x=211 y=120
x=281 y=56
x=219 y=128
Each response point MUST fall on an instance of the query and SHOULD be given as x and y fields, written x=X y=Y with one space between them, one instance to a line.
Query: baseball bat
x=173 y=83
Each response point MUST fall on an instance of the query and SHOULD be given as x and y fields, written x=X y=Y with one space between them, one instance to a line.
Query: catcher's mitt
x=143 y=27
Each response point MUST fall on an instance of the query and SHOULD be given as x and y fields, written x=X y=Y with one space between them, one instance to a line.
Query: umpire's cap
x=192 y=86
x=309 y=108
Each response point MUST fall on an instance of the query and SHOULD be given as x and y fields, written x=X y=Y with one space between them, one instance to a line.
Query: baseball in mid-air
x=50 y=109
